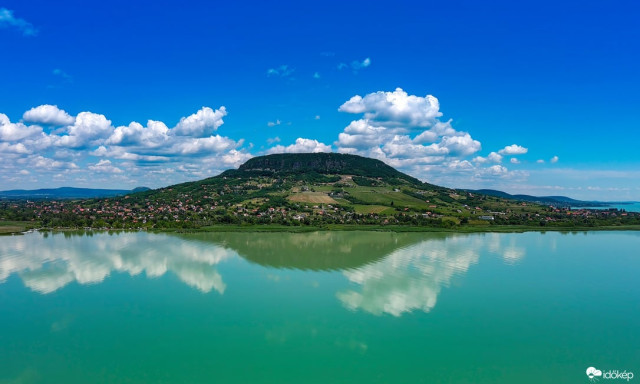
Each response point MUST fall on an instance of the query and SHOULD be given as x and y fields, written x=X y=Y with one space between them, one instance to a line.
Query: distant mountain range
x=67 y=193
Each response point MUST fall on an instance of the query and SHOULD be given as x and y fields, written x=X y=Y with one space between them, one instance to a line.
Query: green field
x=385 y=196
x=378 y=209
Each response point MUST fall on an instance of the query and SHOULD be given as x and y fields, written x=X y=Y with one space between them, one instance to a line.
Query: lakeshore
x=14 y=228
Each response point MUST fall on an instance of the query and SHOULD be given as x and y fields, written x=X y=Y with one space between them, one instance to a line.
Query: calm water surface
x=630 y=207
x=329 y=307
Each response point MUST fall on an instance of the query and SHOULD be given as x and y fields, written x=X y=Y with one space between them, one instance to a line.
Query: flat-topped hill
x=320 y=163
x=324 y=163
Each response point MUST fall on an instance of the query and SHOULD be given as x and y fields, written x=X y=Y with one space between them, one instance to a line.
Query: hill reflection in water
x=390 y=273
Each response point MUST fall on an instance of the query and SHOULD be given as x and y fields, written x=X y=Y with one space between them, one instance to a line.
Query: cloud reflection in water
x=411 y=278
x=47 y=263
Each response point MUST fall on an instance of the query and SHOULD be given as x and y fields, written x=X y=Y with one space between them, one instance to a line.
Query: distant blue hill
x=67 y=193
x=551 y=200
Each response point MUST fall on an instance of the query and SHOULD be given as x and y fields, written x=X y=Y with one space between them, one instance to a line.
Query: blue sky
x=114 y=94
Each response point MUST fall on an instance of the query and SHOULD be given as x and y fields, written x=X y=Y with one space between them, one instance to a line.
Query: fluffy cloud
x=393 y=109
x=121 y=153
x=513 y=150
x=460 y=145
x=18 y=148
x=206 y=145
x=88 y=129
x=405 y=131
x=202 y=123
x=133 y=153
x=16 y=131
x=492 y=172
x=301 y=146
x=554 y=159
x=105 y=166
x=492 y=158
x=361 y=134
x=7 y=19
x=48 y=115
x=153 y=135
x=47 y=164
x=232 y=159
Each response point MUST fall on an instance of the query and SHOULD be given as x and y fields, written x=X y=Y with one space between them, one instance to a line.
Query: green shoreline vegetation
x=307 y=192
x=17 y=228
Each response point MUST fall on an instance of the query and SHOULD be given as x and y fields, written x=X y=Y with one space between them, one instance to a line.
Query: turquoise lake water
x=630 y=207
x=326 y=307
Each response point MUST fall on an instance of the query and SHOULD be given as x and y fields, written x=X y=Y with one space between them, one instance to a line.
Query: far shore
x=16 y=229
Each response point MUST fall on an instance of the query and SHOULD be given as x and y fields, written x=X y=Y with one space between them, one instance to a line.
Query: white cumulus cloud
x=16 y=131
x=493 y=157
x=89 y=128
x=513 y=150
x=406 y=132
x=212 y=144
x=397 y=108
x=105 y=166
x=154 y=134
x=152 y=154
x=49 y=115
x=202 y=123
x=403 y=130
x=48 y=164
x=18 y=148
x=301 y=146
